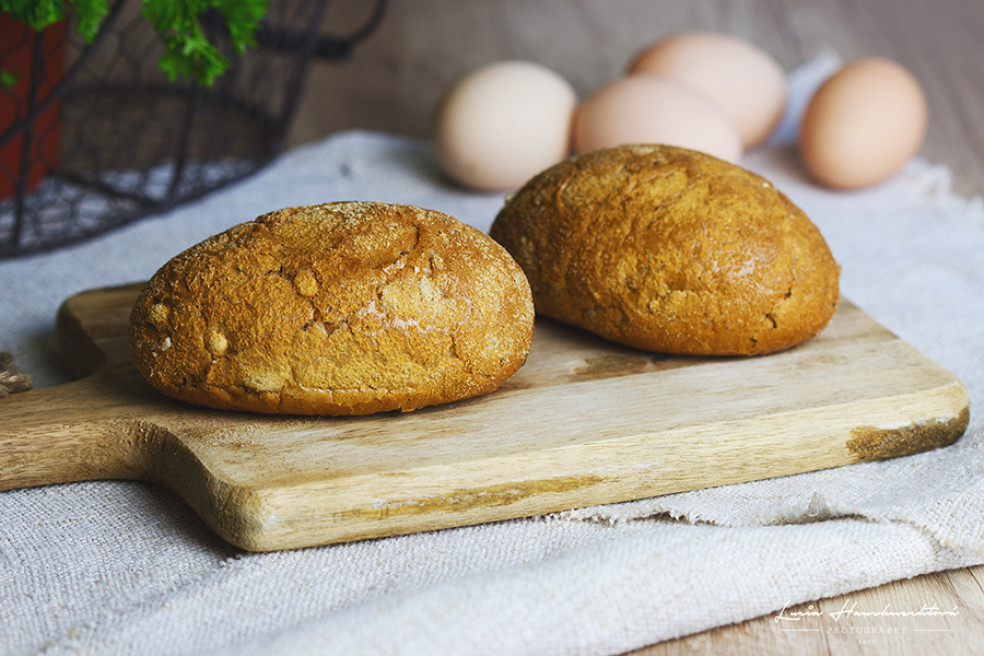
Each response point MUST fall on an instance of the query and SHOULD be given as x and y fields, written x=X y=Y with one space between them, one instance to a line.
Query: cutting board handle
x=58 y=435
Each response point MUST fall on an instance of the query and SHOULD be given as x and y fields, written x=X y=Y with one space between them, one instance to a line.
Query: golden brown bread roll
x=337 y=309
x=670 y=250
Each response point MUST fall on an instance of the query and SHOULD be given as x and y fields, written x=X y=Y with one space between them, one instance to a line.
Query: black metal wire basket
x=94 y=136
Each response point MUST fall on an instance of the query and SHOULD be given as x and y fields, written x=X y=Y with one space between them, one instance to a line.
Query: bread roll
x=670 y=250
x=336 y=309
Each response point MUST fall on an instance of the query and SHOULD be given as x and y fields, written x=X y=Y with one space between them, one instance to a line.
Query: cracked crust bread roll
x=670 y=250
x=338 y=309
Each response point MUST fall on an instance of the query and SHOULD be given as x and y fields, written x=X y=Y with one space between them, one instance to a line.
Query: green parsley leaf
x=39 y=14
x=36 y=14
x=90 y=14
x=8 y=80
x=189 y=52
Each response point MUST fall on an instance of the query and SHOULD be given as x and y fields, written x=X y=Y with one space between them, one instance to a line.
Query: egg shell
x=502 y=123
x=643 y=108
x=863 y=124
x=743 y=79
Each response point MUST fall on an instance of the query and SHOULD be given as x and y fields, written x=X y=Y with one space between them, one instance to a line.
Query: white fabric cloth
x=123 y=567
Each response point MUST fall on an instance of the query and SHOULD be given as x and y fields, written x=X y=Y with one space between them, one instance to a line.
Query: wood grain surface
x=393 y=81
x=584 y=422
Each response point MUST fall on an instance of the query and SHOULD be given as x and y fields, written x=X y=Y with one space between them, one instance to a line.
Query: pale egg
x=503 y=123
x=652 y=109
x=863 y=124
x=743 y=79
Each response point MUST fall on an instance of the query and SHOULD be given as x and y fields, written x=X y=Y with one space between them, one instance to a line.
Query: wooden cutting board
x=584 y=422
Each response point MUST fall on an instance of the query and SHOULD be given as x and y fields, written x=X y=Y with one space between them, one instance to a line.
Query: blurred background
x=393 y=80
x=122 y=141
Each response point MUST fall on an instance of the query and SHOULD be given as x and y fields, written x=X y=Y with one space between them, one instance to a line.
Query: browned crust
x=342 y=308
x=670 y=250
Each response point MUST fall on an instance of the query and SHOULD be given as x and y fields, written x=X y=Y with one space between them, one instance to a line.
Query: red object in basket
x=17 y=57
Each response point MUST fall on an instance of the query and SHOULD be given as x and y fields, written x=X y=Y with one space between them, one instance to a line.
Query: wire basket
x=94 y=136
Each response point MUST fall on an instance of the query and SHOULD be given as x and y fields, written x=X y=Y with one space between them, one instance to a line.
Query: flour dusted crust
x=337 y=309
x=670 y=250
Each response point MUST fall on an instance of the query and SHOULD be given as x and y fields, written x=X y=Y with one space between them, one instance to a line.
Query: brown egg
x=642 y=108
x=744 y=80
x=863 y=124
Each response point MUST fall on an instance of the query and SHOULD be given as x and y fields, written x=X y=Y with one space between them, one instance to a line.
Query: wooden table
x=394 y=80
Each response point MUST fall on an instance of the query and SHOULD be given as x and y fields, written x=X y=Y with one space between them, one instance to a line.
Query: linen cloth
x=124 y=567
